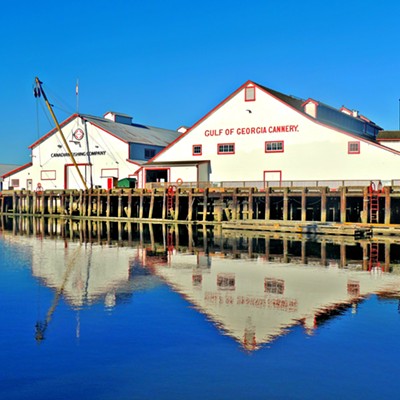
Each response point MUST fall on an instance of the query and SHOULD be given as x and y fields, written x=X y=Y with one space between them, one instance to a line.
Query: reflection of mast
x=41 y=326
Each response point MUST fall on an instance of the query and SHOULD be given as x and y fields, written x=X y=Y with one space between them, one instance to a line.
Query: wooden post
x=50 y=203
x=267 y=205
x=205 y=200
x=365 y=259
x=80 y=208
x=129 y=207
x=343 y=259
x=364 y=212
x=176 y=213
x=343 y=199
x=190 y=205
x=250 y=205
x=303 y=205
x=164 y=204
x=387 y=257
x=285 y=250
x=304 y=252
x=108 y=209
x=99 y=206
x=141 y=204
x=285 y=203
x=323 y=253
x=34 y=203
x=71 y=202
x=89 y=204
x=14 y=202
x=235 y=206
x=119 y=204
x=152 y=203
x=386 y=192
x=323 y=204
x=85 y=204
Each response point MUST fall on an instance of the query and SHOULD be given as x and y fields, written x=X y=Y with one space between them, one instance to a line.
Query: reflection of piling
x=291 y=205
x=326 y=250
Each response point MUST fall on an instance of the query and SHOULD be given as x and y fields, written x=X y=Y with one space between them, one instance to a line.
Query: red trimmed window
x=275 y=286
x=274 y=147
x=15 y=183
x=250 y=93
x=226 y=281
x=353 y=148
x=197 y=150
x=226 y=148
x=49 y=175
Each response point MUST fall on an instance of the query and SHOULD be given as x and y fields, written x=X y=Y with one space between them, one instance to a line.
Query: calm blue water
x=140 y=336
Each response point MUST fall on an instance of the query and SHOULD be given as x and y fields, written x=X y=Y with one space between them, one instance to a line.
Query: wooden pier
x=350 y=210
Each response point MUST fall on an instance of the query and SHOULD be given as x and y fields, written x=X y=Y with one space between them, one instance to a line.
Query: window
x=274 y=147
x=149 y=153
x=15 y=182
x=250 y=93
x=109 y=173
x=353 y=148
x=197 y=279
x=272 y=285
x=49 y=175
x=226 y=148
x=197 y=149
x=226 y=281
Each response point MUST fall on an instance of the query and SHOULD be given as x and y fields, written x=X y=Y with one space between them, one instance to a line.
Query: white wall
x=312 y=151
x=108 y=158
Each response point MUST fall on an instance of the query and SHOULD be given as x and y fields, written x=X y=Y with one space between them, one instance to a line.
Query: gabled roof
x=133 y=133
x=17 y=169
x=5 y=168
x=297 y=104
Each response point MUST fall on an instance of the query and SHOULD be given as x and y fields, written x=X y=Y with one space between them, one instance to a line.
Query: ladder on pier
x=374 y=202
x=374 y=257
x=171 y=201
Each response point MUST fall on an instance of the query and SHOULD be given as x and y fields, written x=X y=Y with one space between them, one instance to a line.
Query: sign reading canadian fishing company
x=80 y=153
x=253 y=130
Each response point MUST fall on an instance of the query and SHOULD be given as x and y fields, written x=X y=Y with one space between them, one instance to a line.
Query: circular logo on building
x=78 y=134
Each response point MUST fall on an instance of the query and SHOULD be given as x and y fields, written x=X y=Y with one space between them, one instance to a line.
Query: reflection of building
x=86 y=274
x=255 y=301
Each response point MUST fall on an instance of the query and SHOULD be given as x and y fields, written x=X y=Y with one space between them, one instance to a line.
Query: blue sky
x=167 y=63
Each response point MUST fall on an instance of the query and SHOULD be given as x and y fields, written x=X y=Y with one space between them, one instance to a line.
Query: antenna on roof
x=77 y=96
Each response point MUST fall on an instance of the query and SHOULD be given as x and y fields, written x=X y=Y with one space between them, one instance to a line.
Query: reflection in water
x=254 y=287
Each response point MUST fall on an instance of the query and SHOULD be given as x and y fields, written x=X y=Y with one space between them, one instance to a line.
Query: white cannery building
x=105 y=150
x=258 y=136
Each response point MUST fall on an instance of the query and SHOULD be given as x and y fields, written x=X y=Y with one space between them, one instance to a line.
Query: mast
x=38 y=92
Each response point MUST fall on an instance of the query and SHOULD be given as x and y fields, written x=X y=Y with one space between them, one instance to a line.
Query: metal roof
x=4 y=168
x=135 y=133
x=389 y=135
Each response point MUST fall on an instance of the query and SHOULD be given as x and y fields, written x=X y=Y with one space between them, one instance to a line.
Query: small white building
x=5 y=168
x=259 y=135
x=105 y=150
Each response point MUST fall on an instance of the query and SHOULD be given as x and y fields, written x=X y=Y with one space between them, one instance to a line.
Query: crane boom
x=39 y=91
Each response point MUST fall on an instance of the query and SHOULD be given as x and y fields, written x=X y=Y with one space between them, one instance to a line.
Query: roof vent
x=118 y=117
x=182 y=129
